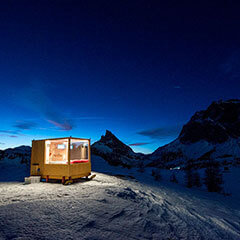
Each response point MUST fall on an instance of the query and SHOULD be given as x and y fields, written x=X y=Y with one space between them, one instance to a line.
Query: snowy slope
x=109 y=207
x=231 y=177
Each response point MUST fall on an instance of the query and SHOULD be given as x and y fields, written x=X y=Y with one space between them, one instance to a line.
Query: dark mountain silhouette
x=211 y=133
x=115 y=152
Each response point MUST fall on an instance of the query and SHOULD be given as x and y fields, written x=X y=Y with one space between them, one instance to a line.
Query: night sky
x=138 y=68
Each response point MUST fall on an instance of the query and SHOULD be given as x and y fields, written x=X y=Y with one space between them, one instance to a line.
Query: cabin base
x=91 y=177
x=71 y=181
x=67 y=179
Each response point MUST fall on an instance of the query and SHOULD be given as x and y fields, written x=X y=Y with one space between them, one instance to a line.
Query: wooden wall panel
x=37 y=157
x=56 y=170
x=80 y=169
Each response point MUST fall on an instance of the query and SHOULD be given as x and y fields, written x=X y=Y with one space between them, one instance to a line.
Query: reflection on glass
x=56 y=151
x=78 y=151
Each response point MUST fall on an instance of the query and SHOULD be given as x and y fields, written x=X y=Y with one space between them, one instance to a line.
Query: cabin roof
x=61 y=138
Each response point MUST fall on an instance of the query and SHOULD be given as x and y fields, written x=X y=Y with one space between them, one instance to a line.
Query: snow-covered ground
x=231 y=177
x=115 y=207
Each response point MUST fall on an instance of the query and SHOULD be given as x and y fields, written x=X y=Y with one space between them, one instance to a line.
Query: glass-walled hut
x=61 y=158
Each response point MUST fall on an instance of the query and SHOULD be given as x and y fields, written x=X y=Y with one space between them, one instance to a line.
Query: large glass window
x=78 y=151
x=56 y=151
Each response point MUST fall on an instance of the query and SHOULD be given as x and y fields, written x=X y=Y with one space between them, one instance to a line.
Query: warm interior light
x=56 y=151
x=78 y=151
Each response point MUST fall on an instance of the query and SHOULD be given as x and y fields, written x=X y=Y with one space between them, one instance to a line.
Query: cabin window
x=79 y=151
x=56 y=151
x=61 y=146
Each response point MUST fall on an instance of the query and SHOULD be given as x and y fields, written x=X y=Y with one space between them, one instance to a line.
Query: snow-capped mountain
x=15 y=163
x=211 y=133
x=21 y=154
x=115 y=152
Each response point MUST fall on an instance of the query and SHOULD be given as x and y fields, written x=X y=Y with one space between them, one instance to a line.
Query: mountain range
x=213 y=133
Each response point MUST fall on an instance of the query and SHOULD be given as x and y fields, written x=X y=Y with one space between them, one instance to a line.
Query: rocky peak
x=114 y=151
x=216 y=124
x=109 y=135
x=110 y=140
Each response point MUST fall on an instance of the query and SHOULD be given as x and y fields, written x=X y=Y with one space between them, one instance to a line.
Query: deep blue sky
x=137 y=68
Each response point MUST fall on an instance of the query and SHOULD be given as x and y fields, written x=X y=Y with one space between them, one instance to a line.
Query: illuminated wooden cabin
x=61 y=158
